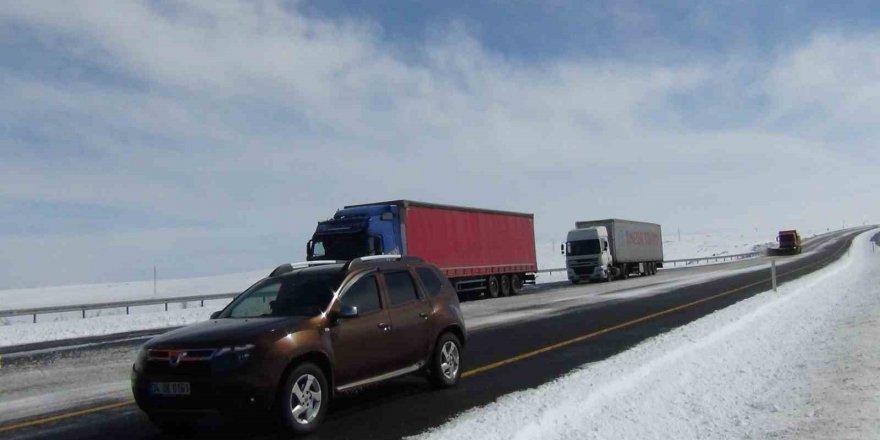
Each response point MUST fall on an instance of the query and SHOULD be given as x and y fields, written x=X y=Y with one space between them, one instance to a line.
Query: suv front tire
x=303 y=400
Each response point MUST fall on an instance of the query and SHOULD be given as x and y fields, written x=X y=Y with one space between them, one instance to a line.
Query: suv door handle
x=423 y=315
x=385 y=327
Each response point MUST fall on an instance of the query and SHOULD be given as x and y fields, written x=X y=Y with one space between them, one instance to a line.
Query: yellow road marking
x=468 y=373
x=565 y=343
x=64 y=416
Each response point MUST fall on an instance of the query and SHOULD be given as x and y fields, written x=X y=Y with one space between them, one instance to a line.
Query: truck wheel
x=516 y=284
x=303 y=400
x=505 y=285
x=492 y=288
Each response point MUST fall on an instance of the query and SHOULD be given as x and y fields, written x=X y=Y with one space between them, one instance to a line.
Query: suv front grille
x=180 y=362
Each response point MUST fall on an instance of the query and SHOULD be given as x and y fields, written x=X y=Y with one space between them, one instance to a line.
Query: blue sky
x=210 y=137
x=649 y=30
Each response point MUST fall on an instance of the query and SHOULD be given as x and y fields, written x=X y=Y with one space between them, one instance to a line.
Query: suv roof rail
x=370 y=258
x=288 y=267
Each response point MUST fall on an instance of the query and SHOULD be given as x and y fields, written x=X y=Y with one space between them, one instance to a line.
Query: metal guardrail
x=714 y=259
x=127 y=305
x=686 y=261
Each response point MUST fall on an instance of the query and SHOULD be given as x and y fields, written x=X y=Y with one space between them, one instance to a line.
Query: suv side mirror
x=347 y=311
x=216 y=314
x=562 y=248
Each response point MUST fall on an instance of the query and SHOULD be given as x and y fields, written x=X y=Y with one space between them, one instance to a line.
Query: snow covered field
x=129 y=291
x=800 y=363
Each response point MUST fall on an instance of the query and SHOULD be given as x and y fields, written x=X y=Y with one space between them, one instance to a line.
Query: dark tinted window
x=364 y=295
x=584 y=247
x=430 y=280
x=301 y=294
x=400 y=288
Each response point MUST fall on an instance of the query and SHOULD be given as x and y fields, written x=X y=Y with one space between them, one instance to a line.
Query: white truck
x=605 y=250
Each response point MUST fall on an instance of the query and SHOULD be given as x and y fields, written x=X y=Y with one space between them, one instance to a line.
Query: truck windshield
x=294 y=295
x=339 y=247
x=786 y=239
x=583 y=247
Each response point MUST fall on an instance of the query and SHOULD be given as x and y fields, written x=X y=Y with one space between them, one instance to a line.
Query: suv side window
x=401 y=289
x=430 y=280
x=363 y=294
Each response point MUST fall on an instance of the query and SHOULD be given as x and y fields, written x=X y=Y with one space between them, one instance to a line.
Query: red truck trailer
x=479 y=250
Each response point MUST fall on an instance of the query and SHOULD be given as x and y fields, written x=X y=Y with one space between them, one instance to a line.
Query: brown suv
x=291 y=341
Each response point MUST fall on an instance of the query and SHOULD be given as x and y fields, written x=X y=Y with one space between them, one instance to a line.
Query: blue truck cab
x=358 y=231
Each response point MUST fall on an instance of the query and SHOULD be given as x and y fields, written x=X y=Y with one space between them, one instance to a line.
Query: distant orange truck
x=789 y=242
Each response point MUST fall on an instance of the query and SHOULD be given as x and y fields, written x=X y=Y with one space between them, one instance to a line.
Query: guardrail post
x=166 y=306
x=126 y=310
x=773 y=273
x=203 y=303
x=35 y=318
x=84 y=313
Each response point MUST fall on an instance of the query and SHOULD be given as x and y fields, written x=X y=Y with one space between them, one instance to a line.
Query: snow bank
x=797 y=363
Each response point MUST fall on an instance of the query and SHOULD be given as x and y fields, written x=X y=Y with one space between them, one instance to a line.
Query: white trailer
x=604 y=250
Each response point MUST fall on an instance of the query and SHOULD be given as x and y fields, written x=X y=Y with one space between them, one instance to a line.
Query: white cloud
x=828 y=88
x=251 y=116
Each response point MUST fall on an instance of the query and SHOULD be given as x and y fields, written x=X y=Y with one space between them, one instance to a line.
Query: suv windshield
x=583 y=247
x=301 y=294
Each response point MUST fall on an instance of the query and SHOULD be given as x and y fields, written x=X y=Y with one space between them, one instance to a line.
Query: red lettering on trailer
x=641 y=238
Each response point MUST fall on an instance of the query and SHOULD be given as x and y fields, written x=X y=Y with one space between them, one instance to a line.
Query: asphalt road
x=500 y=358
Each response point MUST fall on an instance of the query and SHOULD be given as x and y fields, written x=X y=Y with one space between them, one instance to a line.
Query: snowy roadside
x=478 y=313
x=105 y=325
x=127 y=291
x=799 y=363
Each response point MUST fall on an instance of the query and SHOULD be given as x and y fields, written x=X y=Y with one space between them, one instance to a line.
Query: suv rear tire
x=303 y=400
x=445 y=368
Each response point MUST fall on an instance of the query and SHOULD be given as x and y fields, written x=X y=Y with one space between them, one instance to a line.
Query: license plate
x=169 y=388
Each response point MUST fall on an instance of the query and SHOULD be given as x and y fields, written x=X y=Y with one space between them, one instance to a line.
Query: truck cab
x=587 y=255
x=789 y=241
x=357 y=232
